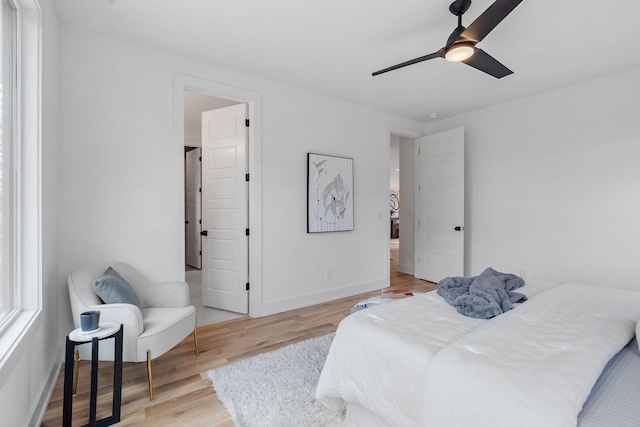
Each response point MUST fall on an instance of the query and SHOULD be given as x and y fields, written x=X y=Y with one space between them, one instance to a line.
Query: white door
x=193 y=212
x=439 y=250
x=225 y=255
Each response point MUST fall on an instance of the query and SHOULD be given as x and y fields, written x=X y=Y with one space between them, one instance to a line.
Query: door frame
x=254 y=152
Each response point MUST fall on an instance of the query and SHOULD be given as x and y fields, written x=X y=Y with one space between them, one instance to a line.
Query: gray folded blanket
x=484 y=296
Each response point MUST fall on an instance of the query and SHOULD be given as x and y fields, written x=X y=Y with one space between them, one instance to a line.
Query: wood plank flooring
x=183 y=395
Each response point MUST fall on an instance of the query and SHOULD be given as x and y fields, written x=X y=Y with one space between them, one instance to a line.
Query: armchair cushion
x=112 y=288
x=164 y=328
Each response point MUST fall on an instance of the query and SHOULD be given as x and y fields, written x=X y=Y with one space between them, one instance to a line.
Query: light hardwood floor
x=183 y=395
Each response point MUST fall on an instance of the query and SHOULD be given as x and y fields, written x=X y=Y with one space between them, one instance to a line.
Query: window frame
x=27 y=319
x=10 y=291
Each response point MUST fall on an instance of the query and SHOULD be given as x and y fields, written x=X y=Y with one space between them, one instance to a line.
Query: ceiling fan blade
x=438 y=54
x=489 y=19
x=484 y=62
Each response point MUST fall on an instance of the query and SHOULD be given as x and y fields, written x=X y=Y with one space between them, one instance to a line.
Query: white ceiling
x=332 y=46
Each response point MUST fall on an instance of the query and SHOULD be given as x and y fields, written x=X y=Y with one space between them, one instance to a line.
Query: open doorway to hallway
x=402 y=178
x=401 y=207
x=394 y=203
x=195 y=103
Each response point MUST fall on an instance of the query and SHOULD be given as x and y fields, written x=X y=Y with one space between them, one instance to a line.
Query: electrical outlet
x=524 y=273
x=328 y=273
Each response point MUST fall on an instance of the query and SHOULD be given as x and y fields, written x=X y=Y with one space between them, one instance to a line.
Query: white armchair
x=164 y=318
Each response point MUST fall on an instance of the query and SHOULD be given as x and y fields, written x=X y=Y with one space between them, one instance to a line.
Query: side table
x=77 y=337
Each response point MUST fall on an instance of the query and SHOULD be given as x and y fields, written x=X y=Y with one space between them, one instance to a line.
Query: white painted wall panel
x=552 y=183
x=111 y=120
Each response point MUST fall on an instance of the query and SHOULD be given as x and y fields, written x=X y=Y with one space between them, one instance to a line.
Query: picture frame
x=329 y=193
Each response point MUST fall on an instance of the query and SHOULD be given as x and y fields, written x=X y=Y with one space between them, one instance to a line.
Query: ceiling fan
x=461 y=44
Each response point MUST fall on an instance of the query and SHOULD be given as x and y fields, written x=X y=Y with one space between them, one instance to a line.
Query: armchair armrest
x=130 y=317
x=127 y=314
x=168 y=295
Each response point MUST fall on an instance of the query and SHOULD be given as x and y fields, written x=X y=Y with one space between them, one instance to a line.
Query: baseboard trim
x=406 y=269
x=47 y=392
x=287 y=304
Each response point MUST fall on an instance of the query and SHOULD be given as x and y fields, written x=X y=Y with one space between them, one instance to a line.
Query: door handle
x=204 y=233
x=458 y=228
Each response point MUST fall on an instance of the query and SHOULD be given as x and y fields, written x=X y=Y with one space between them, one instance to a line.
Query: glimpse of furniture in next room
x=71 y=366
x=395 y=228
x=161 y=320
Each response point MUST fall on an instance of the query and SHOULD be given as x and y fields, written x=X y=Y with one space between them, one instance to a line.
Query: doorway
x=430 y=191
x=401 y=206
x=253 y=101
x=197 y=269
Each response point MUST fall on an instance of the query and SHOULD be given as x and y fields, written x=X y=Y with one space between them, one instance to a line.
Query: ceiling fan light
x=459 y=52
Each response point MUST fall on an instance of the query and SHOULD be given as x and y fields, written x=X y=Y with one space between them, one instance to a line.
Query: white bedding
x=380 y=356
x=417 y=362
x=533 y=366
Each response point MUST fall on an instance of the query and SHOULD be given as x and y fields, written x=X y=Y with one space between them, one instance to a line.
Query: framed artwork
x=329 y=193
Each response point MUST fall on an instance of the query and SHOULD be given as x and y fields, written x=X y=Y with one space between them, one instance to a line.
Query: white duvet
x=417 y=362
x=534 y=366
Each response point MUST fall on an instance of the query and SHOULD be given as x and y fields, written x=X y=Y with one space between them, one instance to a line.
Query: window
x=8 y=291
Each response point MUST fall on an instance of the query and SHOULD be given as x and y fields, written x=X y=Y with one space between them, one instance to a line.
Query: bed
x=417 y=362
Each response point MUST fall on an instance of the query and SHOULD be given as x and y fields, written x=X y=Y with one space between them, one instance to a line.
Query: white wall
x=191 y=141
x=116 y=194
x=552 y=183
x=394 y=161
x=407 y=204
x=28 y=377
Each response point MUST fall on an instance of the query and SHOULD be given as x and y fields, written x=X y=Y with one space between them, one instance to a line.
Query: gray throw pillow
x=113 y=289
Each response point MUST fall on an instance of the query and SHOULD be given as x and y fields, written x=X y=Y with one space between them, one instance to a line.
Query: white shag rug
x=277 y=389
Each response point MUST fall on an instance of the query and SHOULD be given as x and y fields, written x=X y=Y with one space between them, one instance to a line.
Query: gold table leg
x=195 y=338
x=149 y=376
x=76 y=371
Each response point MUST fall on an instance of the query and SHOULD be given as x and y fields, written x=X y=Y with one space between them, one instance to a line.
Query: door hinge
x=246 y=122
x=246 y=177
x=200 y=221
x=200 y=158
x=200 y=190
x=246 y=231
x=248 y=286
x=419 y=152
x=200 y=252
